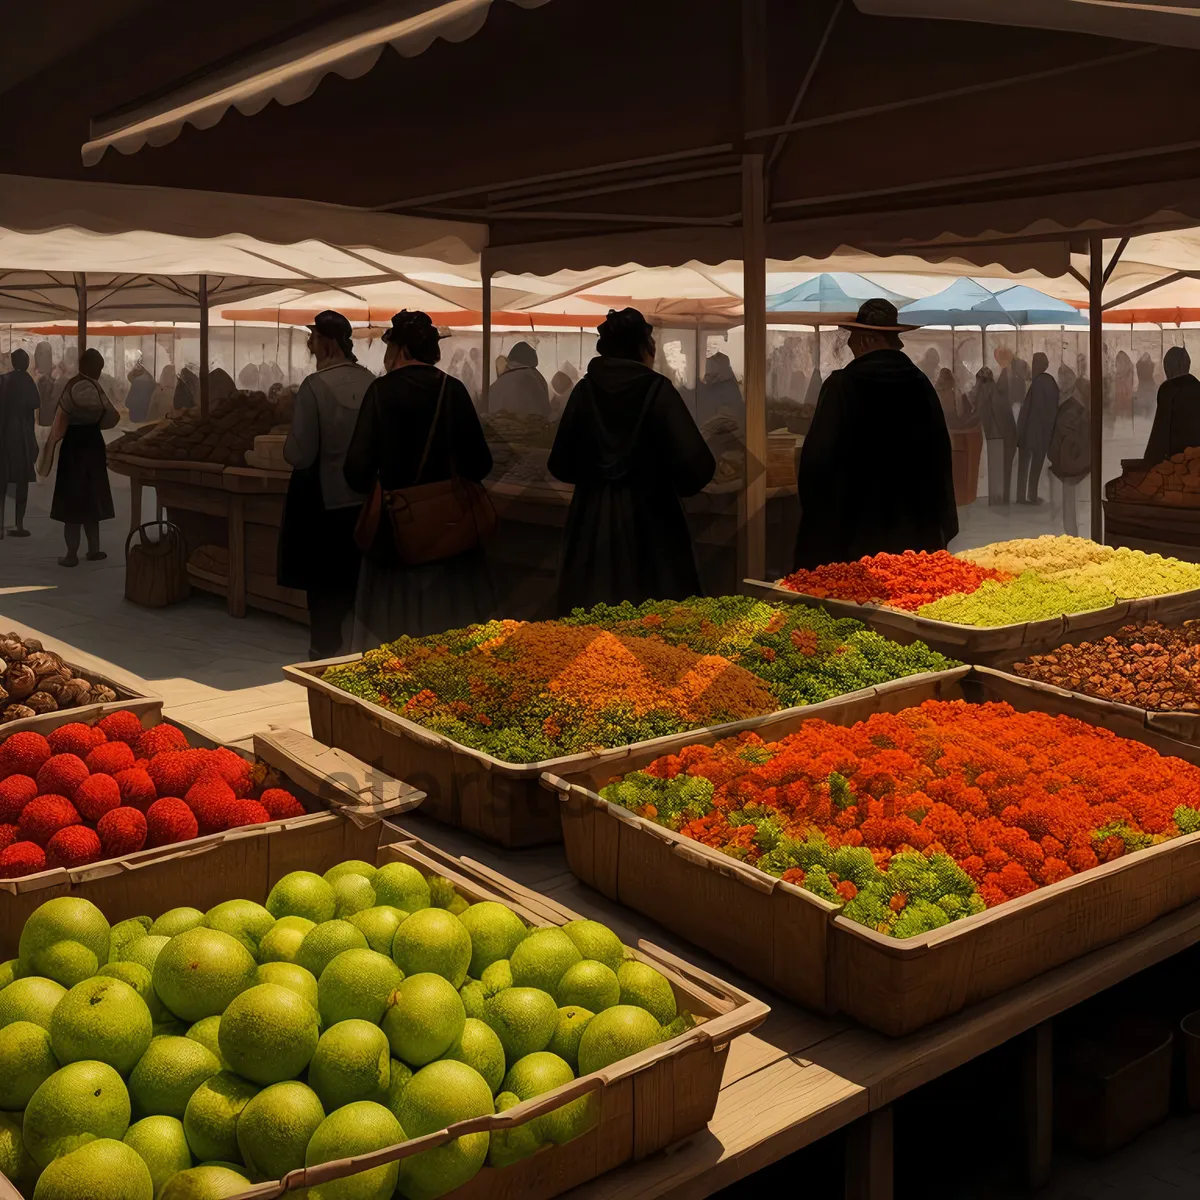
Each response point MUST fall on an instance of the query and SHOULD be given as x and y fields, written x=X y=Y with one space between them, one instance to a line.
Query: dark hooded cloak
x=875 y=471
x=631 y=448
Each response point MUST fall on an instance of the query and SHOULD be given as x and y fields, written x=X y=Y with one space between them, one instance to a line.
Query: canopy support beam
x=485 y=276
x=81 y=310
x=204 y=346
x=752 y=556
x=1096 y=368
x=1166 y=280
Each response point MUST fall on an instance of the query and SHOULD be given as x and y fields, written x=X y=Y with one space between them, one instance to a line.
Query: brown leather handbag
x=430 y=521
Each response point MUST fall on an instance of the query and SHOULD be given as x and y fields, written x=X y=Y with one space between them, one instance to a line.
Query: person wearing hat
x=632 y=449
x=875 y=472
x=317 y=554
x=82 y=496
x=398 y=445
x=522 y=389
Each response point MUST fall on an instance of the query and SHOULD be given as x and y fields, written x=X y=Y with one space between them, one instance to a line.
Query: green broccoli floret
x=1133 y=839
x=909 y=872
x=816 y=880
x=839 y=791
x=919 y=916
x=814 y=851
x=870 y=908
x=953 y=906
x=856 y=864
x=950 y=877
x=976 y=904
x=1188 y=819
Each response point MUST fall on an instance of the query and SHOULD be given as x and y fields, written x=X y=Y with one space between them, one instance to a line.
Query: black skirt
x=316 y=544
x=81 y=492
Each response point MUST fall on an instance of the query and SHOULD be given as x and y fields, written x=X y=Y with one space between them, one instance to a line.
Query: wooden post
x=753 y=548
x=752 y=540
x=869 y=1157
x=1096 y=367
x=204 y=345
x=485 y=274
x=81 y=310
x=1037 y=1102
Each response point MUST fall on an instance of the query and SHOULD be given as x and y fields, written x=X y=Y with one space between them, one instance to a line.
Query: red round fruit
x=281 y=804
x=174 y=771
x=122 y=726
x=210 y=798
x=23 y=753
x=61 y=774
x=109 y=758
x=21 y=858
x=8 y=835
x=44 y=816
x=233 y=768
x=170 y=820
x=246 y=812
x=96 y=795
x=122 y=831
x=137 y=788
x=77 y=738
x=15 y=792
x=160 y=739
x=75 y=846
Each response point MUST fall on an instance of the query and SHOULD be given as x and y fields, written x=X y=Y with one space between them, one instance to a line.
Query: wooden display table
x=239 y=509
x=801 y=1077
x=1166 y=529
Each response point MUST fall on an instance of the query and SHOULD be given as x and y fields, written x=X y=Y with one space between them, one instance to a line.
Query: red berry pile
x=83 y=793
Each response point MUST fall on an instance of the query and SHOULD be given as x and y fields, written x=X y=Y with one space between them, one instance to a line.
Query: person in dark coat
x=1035 y=427
x=999 y=430
x=141 y=388
x=875 y=472
x=631 y=448
x=82 y=497
x=19 y=405
x=522 y=389
x=43 y=369
x=1177 y=415
x=317 y=553
x=394 y=423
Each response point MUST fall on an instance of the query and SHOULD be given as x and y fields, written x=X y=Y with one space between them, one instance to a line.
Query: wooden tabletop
x=801 y=1077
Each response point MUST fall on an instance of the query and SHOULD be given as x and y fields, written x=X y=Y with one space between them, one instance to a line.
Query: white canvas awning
x=291 y=71
x=1167 y=23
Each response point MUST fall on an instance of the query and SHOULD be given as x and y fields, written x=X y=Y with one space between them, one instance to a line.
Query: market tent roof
x=141 y=251
x=1028 y=306
x=220 y=231
x=830 y=292
x=963 y=303
x=602 y=184
x=1173 y=24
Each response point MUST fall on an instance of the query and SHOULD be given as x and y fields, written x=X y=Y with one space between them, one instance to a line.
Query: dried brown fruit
x=43 y=663
x=21 y=681
x=42 y=702
x=16 y=712
x=12 y=648
x=33 y=645
x=101 y=694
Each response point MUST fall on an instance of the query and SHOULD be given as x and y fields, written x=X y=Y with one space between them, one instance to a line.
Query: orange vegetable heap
x=914 y=819
x=906 y=581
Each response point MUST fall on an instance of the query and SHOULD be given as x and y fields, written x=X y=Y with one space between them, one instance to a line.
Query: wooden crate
x=500 y=801
x=891 y=985
x=146 y=705
x=987 y=645
x=642 y=1104
x=348 y=806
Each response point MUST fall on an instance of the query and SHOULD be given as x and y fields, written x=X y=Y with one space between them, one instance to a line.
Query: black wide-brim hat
x=878 y=316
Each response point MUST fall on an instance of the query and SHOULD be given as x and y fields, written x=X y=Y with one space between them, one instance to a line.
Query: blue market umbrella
x=1028 y=306
x=838 y=292
x=963 y=303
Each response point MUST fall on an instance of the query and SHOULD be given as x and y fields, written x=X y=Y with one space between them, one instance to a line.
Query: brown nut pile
x=1147 y=665
x=35 y=681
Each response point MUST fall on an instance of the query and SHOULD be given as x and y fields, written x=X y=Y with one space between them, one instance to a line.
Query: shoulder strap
x=437 y=412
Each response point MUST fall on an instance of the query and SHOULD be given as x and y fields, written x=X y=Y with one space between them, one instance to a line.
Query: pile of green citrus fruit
x=190 y=1056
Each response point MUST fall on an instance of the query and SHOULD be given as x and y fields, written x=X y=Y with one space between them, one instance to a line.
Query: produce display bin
x=642 y=1104
x=985 y=645
x=469 y=789
x=347 y=804
x=797 y=944
x=146 y=705
x=1125 y=719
